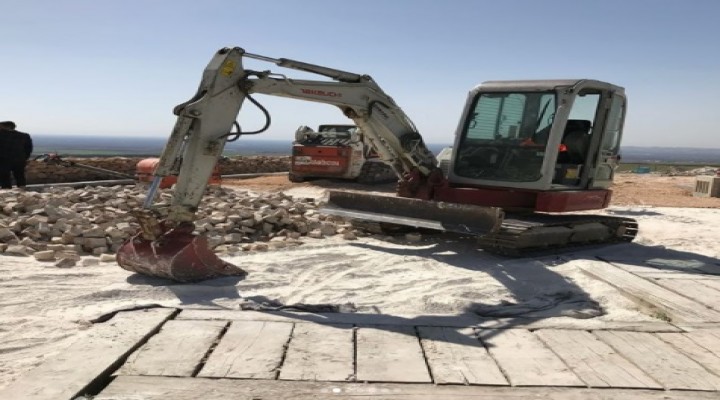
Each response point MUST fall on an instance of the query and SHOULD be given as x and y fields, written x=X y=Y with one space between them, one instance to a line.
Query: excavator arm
x=166 y=247
x=204 y=122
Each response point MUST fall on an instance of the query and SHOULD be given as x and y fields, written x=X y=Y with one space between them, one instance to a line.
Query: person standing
x=15 y=149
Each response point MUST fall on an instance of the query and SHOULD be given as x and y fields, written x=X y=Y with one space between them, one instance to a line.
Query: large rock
x=18 y=250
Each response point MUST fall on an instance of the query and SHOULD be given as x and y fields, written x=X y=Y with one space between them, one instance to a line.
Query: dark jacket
x=15 y=147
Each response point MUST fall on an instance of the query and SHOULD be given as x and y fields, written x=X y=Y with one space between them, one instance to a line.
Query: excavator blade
x=452 y=217
x=177 y=255
x=499 y=233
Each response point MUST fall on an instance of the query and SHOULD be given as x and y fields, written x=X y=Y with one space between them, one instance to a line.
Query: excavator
x=528 y=155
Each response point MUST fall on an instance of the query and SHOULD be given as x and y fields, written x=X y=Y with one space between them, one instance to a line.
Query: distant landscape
x=89 y=146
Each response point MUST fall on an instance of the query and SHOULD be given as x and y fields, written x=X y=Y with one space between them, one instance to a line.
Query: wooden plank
x=661 y=361
x=694 y=289
x=177 y=350
x=320 y=353
x=707 y=338
x=525 y=360
x=460 y=321
x=249 y=349
x=713 y=283
x=162 y=388
x=453 y=321
x=595 y=362
x=390 y=354
x=698 y=326
x=577 y=324
x=708 y=357
x=641 y=263
x=677 y=275
x=456 y=356
x=93 y=357
x=676 y=307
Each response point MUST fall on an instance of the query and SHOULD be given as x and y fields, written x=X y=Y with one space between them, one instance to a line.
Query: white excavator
x=525 y=154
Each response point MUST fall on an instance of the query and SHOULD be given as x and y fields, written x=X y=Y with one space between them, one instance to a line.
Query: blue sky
x=119 y=67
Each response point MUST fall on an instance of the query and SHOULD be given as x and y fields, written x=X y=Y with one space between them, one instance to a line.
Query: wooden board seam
x=210 y=350
x=286 y=346
x=104 y=379
x=425 y=356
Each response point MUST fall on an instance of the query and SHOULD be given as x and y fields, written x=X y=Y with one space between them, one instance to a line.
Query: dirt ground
x=659 y=191
x=629 y=189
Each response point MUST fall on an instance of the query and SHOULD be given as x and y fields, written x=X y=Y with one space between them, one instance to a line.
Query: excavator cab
x=539 y=135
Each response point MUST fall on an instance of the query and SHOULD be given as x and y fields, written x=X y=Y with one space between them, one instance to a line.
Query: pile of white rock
x=693 y=172
x=62 y=225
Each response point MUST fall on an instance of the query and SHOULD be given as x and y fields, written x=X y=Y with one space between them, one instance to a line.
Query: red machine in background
x=143 y=170
x=146 y=168
x=336 y=151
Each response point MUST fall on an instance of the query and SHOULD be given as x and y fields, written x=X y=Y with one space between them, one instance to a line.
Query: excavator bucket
x=451 y=217
x=177 y=255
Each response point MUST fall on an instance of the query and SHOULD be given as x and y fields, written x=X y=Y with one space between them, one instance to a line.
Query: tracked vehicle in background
x=336 y=152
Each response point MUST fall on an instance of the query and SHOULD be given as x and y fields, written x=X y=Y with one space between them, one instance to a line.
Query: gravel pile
x=693 y=172
x=61 y=225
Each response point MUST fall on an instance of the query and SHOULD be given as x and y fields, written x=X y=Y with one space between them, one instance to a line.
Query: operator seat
x=577 y=141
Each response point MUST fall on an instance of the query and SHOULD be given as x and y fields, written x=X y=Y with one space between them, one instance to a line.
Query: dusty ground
x=43 y=309
x=659 y=191
x=629 y=189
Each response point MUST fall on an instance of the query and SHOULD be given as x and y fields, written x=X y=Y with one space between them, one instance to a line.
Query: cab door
x=608 y=154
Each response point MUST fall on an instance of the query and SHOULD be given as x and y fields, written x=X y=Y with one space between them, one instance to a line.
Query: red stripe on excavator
x=573 y=201
x=528 y=200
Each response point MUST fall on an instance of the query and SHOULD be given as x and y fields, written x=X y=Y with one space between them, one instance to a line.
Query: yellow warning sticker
x=228 y=68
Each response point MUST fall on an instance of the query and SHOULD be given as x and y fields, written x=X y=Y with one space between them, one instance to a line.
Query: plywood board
x=390 y=354
x=695 y=289
x=249 y=349
x=707 y=338
x=162 y=388
x=320 y=353
x=456 y=321
x=641 y=263
x=654 y=274
x=177 y=350
x=525 y=360
x=596 y=363
x=684 y=342
x=678 y=308
x=713 y=283
x=455 y=356
x=93 y=356
x=461 y=321
x=660 y=360
x=577 y=324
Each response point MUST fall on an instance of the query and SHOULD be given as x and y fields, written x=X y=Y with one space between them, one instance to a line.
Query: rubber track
x=513 y=237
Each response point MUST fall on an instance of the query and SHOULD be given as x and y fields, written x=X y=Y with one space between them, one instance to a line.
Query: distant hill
x=87 y=146
x=77 y=145
x=680 y=155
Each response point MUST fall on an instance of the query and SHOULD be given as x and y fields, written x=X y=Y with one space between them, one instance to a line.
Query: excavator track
x=527 y=234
